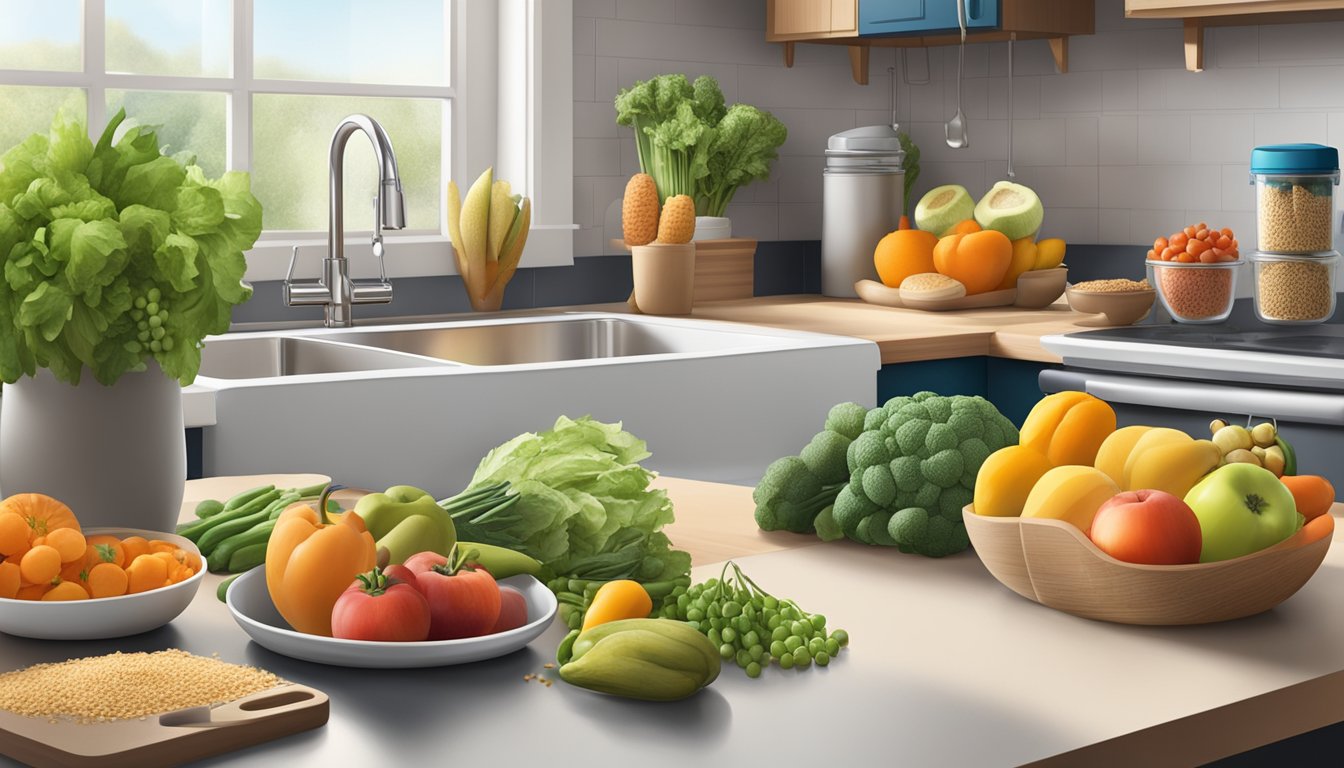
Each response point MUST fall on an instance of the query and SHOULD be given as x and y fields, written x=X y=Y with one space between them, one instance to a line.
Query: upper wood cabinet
x=863 y=24
x=1199 y=14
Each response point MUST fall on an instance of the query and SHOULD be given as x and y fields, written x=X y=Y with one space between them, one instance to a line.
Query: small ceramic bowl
x=1039 y=288
x=1118 y=307
x=1053 y=563
x=104 y=617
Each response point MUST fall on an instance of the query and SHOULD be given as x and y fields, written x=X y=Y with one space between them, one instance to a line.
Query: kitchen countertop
x=946 y=667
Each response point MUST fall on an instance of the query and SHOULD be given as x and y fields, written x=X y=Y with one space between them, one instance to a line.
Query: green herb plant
x=911 y=167
x=116 y=254
x=691 y=144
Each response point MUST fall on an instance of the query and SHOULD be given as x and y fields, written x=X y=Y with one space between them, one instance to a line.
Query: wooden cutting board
x=165 y=740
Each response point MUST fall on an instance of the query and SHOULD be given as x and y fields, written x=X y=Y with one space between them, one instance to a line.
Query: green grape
x=153 y=294
x=786 y=660
x=777 y=648
x=695 y=625
x=143 y=325
x=140 y=302
x=753 y=670
x=818 y=621
x=751 y=638
x=667 y=612
x=833 y=646
x=143 y=336
x=163 y=312
x=695 y=614
x=167 y=343
x=137 y=315
x=743 y=658
x=742 y=624
x=731 y=609
x=793 y=642
x=714 y=636
x=714 y=611
x=822 y=659
x=801 y=660
x=683 y=602
x=157 y=333
x=679 y=590
x=726 y=650
x=699 y=604
x=156 y=346
x=779 y=633
x=770 y=603
x=729 y=634
x=841 y=637
x=774 y=621
x=756 y=652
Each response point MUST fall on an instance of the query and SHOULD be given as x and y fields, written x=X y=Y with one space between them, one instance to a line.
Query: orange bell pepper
x=309 y=565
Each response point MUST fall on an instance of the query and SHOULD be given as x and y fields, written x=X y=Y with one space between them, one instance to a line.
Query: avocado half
x=942 y=208
x=1012 y=209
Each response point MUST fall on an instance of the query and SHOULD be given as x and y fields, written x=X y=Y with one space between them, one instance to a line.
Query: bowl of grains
x=1195 y=292
x=1120 y=301
x=1294 y=288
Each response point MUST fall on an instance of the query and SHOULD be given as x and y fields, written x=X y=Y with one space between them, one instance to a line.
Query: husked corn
x=1116 y=285
x=1293 y=219
x=120 y=686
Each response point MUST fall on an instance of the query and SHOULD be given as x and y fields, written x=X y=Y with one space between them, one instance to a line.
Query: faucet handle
x=306 y=292
x=373 y=291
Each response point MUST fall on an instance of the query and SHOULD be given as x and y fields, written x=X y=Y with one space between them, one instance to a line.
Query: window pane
x=29 y=110
x=169 y=37
x=41 y=35
x=351 y=41
x=291 y=137
x=190 y=121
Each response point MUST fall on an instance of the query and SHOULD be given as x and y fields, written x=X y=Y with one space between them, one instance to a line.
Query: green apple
x=1242 y=508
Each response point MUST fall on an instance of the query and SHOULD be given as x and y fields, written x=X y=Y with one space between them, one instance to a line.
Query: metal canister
x=863 y=188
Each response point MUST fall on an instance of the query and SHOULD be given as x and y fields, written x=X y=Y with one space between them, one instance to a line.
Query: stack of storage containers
x=1295 y=261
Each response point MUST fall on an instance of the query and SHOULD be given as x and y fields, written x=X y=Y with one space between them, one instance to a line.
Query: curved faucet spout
x=390 y=213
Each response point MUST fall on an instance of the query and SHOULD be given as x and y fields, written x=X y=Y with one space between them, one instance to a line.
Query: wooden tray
x=1053 y=563
x=167 y=740
x=1035 y=290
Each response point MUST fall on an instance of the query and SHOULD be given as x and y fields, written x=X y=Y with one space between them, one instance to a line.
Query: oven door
x=1312 y=422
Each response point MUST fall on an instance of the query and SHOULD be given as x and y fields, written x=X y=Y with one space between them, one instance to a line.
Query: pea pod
x=217 y=534
x=196 y=531
x=246 y=497
x=221 y=556
x=502 y=562
x=651 y=659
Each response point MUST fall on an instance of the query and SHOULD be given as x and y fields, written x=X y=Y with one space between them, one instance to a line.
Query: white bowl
x=251 y=606
x=104 y=617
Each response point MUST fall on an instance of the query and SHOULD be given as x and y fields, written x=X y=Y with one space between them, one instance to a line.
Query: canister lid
x=1294 y=158
x=867 y=138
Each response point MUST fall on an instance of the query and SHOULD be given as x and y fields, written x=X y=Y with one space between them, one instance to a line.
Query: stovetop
x=1241 y=332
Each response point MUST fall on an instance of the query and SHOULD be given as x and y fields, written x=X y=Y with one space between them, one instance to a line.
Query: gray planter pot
x=115 y=455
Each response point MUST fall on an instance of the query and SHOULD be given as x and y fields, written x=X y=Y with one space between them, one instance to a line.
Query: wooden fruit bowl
x=1053 y=563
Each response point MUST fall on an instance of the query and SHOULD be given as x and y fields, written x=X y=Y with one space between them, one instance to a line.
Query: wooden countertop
x=941 y=651
x=904 y=335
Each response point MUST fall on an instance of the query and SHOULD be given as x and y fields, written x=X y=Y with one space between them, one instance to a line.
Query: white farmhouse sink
x=420 y=404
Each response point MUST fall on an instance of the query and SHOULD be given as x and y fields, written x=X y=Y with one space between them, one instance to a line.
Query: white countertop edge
x=1080 y=349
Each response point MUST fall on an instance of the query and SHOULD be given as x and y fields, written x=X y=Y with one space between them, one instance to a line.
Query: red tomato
x=463 y=601
x=1152 y=527
x=400 y=573
x=512 y=610
x=377 y=608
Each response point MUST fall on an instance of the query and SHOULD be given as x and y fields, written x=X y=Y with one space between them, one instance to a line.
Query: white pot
x=115 y=455
x=713 y=228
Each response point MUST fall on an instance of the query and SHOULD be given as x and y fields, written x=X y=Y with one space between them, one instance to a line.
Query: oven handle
x=1215 y=399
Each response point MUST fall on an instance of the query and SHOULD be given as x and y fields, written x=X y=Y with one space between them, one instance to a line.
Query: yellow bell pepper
x=616 y=600
x=309 y=565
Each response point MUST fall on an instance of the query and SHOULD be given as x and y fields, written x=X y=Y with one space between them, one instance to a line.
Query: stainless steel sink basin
x=549 y=341
x=272 y=356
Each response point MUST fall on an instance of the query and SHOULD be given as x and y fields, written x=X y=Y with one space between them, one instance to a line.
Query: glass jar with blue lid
x=1295 y=197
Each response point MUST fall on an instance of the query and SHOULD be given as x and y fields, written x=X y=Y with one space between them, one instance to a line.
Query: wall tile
x=1082 y=146
x=1300 y=42
x=799 y=179
x=1164 y=138
x=584 y=213
x=1206 y=186
x=647 y=10
x=1040 y=142
x=1075 y=225
x=717 y=13
x=816 y=87
x=1146 y=224
x=1238 y=192
x=583 y=78
x=595 y=120
x=1288 y=127
x=1074 y=92
x=585 y=36
x=1113 y=226
x=988 y=141
x=595 y=8
x=1311 y=87
x=1061 y=186
x=798 y=221
x=1119 y=140
x=1033 y=57
x=671 y=42
x=970 y=175
x=810 y=128
x=1232 y=47
x=754 y=220
x=1119 y=90
x=597 y=157
x=1237 y=88
x=629 y=154
x=1221 y=137
x=1159 y=48
x=605 y=80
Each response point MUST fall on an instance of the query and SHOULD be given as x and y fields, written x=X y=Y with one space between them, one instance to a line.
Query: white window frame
x=536 y=32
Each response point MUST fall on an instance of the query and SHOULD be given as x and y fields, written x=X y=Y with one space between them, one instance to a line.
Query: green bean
x=196 y=531
x=248 y=557
x=220 y=557
x=209 y=508
x=224 y=587
x=247 y=496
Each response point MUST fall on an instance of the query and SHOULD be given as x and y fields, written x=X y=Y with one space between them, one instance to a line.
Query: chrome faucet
x=335 y=291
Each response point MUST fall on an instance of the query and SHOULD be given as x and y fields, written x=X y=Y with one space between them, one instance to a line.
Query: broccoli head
x=795 y=489
x=913 y=468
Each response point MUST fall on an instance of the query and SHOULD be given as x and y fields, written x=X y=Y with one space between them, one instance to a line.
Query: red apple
x=1147 y=526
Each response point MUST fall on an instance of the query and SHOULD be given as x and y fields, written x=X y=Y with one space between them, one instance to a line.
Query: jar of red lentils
x=1295 y=197
x=1294 y=288
x=1196 y=291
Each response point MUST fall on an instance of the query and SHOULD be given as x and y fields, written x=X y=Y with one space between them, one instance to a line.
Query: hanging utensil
x=895 y=126
x=956 y=127
x=1011 y=175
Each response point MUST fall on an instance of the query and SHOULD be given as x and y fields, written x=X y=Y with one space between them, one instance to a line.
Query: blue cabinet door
x=888 y=17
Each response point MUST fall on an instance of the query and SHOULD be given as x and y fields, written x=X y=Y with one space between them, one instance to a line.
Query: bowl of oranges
x=59 y=581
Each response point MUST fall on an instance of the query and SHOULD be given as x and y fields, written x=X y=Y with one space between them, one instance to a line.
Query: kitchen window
x=259 y=85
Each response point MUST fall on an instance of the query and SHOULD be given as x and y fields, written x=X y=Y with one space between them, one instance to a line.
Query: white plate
x=251 y=606
x=104 y=617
